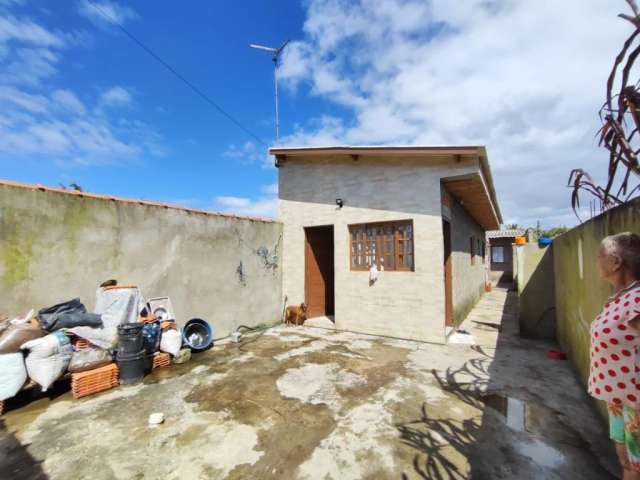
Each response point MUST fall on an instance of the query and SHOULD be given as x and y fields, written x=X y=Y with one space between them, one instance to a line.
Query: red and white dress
x=615 y=350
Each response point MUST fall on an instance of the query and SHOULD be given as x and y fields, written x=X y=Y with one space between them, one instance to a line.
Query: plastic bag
x=116 y=305
x=16 y=334
x=48 y=358
x=170 y=342
x=88 y=359
x=374 y=273
x=67 y=315
x=14 y=374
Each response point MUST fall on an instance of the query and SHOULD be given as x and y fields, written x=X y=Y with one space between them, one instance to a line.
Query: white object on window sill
x=373 y=274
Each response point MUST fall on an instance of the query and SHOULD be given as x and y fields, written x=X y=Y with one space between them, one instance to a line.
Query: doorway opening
x=318 y=271
x=448 y=279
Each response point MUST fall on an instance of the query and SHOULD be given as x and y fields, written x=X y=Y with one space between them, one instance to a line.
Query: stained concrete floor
x=310 y=403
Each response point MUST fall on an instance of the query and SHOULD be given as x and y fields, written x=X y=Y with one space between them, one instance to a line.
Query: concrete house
x=501 y=254
x=418 y=213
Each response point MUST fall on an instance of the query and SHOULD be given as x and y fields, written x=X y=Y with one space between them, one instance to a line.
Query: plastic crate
x=94 y=381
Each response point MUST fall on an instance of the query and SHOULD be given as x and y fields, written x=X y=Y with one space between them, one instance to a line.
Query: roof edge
x=366 y=149
x=130 y=201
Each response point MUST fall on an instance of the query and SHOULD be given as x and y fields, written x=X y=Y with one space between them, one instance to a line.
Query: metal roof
x=518 y=232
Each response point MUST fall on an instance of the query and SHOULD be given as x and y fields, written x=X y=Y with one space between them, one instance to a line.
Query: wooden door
x=318 y=281
x=448 y=285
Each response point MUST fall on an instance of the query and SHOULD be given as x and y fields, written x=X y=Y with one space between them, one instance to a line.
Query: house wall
x=579 y=292
x=502 y=270
x=56 y=246
x=400 y=304
x=468 y=279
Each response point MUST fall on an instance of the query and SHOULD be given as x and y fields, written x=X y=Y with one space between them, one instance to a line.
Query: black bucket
x=132 y=367
x=130 y=338
x=197 y=334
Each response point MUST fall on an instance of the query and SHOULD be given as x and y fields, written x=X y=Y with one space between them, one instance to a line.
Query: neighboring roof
x=484 y=184
x=518 y=232
x=43 y=188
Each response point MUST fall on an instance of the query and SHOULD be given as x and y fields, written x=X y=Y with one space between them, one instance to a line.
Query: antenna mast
x=275 y=57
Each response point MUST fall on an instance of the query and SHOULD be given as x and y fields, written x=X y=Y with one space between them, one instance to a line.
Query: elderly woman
x=615 y=347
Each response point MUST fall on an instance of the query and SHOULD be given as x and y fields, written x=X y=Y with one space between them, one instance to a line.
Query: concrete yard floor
x=310 y=403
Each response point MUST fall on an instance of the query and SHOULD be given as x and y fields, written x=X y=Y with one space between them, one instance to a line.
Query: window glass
x=497 y=254
x=387 y=245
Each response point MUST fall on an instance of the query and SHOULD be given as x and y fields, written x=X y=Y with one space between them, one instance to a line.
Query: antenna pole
x=275 y=78
x=275 y=56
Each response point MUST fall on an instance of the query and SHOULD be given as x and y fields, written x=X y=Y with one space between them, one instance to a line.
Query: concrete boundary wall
x=580 y=294
x=56 y=245
x=535 y=282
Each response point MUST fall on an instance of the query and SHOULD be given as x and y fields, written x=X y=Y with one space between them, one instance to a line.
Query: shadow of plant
x=438 y=439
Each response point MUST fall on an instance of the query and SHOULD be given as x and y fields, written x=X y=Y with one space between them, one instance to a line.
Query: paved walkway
x=308 y=403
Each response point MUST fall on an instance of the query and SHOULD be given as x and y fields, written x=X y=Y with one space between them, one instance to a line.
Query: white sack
x=13 y=374
x=116 y=306
x=171 y=341
x=48 y=358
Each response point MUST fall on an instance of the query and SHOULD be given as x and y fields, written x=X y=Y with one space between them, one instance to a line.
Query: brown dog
x=295 y=314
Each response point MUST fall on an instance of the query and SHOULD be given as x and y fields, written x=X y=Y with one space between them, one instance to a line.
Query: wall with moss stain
x=16 y=253
x=579 y=292
x=57 y=246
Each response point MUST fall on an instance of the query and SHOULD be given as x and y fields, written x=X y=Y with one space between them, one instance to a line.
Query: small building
x=501 y=254
x=418 y=214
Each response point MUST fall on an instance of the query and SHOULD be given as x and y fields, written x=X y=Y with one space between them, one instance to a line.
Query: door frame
x=448 y=274
x=329 y=307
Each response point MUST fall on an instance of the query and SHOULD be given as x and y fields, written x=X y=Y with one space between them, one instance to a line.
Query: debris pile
x=124 y=338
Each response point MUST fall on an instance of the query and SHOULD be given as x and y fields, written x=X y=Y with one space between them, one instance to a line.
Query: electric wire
x=177 y=74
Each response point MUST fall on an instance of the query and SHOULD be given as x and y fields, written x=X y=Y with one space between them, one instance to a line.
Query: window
x=388 y=245
x=497 y=254
x=484 y=251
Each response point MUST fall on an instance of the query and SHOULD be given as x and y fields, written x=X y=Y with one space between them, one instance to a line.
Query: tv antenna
x=275 y=57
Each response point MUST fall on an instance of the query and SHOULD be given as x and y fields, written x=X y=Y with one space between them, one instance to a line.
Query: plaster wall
x=57 y=246
x=579 y=292
x=536 y=290
x=400 y=304
x=468 y=279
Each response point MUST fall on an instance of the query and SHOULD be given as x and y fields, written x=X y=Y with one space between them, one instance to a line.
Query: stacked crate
x=161 y=359
x=94 y=381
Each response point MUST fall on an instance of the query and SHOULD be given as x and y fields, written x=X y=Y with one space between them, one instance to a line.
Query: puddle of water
x=521 y=417
x=512 y=409
x=541 y=453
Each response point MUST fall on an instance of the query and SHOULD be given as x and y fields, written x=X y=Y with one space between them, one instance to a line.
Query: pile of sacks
x=65 y=337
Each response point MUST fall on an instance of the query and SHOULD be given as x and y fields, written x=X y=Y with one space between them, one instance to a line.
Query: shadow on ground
x=517 y=434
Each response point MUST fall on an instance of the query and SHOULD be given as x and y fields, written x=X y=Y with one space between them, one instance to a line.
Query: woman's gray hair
x=625 y=246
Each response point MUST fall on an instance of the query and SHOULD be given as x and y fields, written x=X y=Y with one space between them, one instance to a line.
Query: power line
x=199 y=92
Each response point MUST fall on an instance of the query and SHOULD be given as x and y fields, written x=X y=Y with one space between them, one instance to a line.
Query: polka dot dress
x=615 y=368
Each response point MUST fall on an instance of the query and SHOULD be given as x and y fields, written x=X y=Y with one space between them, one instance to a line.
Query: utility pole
x=275 y=57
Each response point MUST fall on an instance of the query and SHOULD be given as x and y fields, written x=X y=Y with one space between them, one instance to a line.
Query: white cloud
x=264 y=206
x=104 y=12
x=26 y=31
x=524 y=78
x=68 y=100
x=248 y=153
x=116 y=96
x=54 y=124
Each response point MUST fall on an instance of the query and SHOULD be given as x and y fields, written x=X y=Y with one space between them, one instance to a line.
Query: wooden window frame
x=472 y=245
x=362 y=245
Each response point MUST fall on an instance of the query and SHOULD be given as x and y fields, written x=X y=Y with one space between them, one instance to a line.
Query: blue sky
x=80 y=102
